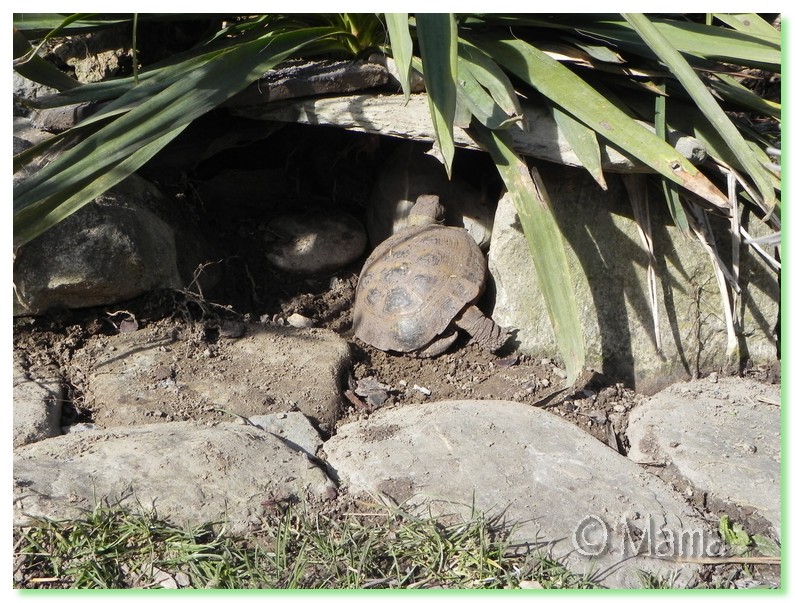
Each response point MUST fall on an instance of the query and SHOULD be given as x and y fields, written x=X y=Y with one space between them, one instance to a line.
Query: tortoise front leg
x=483 y=329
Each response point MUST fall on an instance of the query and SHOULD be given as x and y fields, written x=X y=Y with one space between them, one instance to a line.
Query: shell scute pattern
x=415 y=284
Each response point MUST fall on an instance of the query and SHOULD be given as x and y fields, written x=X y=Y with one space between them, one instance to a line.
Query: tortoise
x=420 y=281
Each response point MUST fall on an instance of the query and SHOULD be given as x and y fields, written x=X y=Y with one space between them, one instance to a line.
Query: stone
x=187 y=473
x=154 y=375
x=722 y=440
x=299 y=321
x=561 y=490
x=316 y=241
x=27 y=90
x=410 y=172
x=95 y=56
x=299 y=78
x=37 y=406
x=609 y=270
x=111 y=250
x=392 y=115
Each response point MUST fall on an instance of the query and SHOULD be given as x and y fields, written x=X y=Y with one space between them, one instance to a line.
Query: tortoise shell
x=415 y=284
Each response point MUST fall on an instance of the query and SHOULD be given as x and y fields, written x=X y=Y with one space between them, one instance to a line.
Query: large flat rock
x=151 y=375
x=190 y=474
x=720 y=439
x=565 y=491
x=38 y=401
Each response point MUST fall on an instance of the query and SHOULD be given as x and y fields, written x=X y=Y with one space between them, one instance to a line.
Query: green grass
x=294 y=548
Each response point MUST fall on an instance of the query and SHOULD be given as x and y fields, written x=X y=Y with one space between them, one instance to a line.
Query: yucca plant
x=598 y=75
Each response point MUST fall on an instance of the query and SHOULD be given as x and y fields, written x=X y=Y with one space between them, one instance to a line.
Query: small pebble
x=78 y=427
x=422 y=390
x=620 y=408
x=299 y=321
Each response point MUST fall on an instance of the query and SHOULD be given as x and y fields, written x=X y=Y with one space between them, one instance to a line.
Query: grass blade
x=546 y=247
x=695 y=39
x=437 y=35
x=733 y=91
x=479 y=102
x=397 y=25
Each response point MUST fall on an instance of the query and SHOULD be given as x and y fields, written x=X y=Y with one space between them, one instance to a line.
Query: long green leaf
x=583 y=142
x=438 y=38
x=479 y=102
x=733 y=91
x=670 y=191
x=37 y=69
x=546 y=247
x=37 y=219
x=695 y=39
x=43 y=23
x=750 y=23
x=706 y=102
x=573 y=94
x=201 y=90
x=161 y=74
x=490 y=76
x=400 y=42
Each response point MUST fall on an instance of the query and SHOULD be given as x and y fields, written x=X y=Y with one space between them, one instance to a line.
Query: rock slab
x=291 y=427
x=564 y=491
x=190 y=474
x=38 y=402
x=152 y=375
x=723 y=439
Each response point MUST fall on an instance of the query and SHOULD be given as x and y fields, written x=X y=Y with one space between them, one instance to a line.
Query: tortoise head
x=427 y=210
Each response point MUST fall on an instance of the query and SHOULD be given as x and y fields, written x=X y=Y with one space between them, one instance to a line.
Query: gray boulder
x=315 y=241
x=608 y=267
x=410 y=172
x=111 y=250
